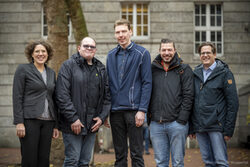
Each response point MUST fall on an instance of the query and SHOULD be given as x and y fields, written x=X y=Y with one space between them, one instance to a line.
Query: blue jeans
x=78 y=149
x=213 y=149
x=169 y=137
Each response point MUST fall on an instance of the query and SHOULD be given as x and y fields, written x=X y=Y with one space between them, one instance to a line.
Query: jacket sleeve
x=63 y=94
x=106 y=106
x=232 y=103
x=146 y=76
x=54 y=101
x=187 y=81
x=18 y=94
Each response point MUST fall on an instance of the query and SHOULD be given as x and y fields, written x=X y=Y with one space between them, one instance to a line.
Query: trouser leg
x=161 y=143
x=45 y=143
x=177 y=134
x=146 y=138
x=72 y=149
x=119 y=134
x=135 y=135
x=219 y=147
x=206 y=149
x=87 y=149
x=30 y=142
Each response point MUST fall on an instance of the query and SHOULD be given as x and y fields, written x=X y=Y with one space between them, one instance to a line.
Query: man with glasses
x=170 y=105
x=83 y=98
x=215 y=107
x=129 y=71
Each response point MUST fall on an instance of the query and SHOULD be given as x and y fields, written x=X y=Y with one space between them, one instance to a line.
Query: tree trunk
x=57 y=31
x=77 y=19
x=58 y=37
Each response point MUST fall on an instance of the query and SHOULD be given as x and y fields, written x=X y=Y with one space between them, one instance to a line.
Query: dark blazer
x=30 y=91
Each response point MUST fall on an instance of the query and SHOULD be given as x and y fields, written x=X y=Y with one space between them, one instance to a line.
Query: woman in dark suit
x=34 y=107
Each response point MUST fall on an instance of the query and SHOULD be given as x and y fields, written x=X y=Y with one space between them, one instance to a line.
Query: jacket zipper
x=201 y=85
x=165 y=76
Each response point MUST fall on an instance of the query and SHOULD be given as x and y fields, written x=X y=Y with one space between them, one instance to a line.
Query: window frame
x=42 y=25
x=208 y=28
x=134 y=17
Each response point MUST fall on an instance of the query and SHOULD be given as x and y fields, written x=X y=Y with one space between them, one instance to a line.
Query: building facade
x=187 y=22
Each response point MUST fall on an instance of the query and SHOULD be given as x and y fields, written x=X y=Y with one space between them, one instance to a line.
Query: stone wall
x=20 y=21
x=242 y=126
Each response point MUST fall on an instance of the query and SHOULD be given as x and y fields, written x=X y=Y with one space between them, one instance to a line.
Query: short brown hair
x=122 y=22
x=165 y=40
x=207 y=44
x=29 y=49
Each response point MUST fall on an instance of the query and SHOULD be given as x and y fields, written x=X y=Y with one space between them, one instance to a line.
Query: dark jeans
x=35 y=146
x=78 y=149
x=123 y=127
x=146 y=138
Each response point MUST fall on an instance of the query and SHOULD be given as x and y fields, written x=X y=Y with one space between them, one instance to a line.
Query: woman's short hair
x=29 y=49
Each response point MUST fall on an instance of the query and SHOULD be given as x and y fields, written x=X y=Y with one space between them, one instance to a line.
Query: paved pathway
x=237 y=158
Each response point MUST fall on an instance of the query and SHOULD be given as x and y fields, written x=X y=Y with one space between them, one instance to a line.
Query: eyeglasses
x=207 y=53
x=89 y=46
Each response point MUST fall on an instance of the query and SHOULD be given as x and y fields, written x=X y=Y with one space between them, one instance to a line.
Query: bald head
x=87 y=49
x=88 y=39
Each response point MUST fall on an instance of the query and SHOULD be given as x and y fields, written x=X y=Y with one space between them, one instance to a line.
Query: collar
x=81 y=61
x=212 y=67
x=129 y=47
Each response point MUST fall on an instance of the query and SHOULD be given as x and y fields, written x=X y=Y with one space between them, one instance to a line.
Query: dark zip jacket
x=172 y=91
x=72 y=90
x=135 y=89
x=216 y=101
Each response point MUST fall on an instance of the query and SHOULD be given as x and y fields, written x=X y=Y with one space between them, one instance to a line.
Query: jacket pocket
x=131 y=93
x=209 y=116
x=29 y=103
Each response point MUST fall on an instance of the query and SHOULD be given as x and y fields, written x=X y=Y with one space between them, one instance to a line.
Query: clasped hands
x=77 y=125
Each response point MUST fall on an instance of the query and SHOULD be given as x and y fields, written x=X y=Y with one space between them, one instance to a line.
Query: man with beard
x=170 y=105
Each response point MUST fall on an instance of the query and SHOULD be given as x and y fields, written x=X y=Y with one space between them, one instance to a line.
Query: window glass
x=203 y=9
x=208 y=20
x=138 y=15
